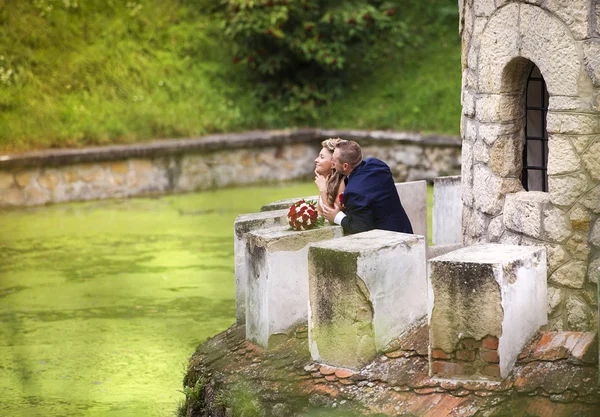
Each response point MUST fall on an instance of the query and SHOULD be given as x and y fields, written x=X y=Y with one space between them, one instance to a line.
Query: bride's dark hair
x=335 y=179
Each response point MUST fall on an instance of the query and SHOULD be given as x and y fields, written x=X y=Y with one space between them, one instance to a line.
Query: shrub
x=298 y=49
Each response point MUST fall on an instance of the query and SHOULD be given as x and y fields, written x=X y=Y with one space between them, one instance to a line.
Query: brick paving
x=556 y=375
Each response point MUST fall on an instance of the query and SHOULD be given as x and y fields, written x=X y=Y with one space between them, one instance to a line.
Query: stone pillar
x=277 y=293
x=447 y=211
x=365 y=291
x=413 y=196
x=485 y=302
x=243 y=224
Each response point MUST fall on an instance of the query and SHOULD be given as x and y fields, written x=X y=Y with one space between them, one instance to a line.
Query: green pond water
x=102 y=303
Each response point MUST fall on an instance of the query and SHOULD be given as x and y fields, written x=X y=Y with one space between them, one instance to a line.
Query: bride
x=330 y=183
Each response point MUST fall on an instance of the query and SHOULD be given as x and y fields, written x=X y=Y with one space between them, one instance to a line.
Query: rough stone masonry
x=502 y=41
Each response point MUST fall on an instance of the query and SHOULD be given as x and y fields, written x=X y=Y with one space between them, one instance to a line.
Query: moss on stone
x=467 y=301
x=293 y=241
x=342 y=314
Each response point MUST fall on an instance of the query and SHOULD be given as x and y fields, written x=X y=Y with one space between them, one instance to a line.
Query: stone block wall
x=56 y=176
x=485 y=302
x=447 y=211
x=245 y=223
x=277 y=280
x=416 y=160
x=365 y=290
x=501 y=41
x=413 y=197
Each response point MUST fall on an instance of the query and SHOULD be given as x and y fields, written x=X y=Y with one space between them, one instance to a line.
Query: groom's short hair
x=350 y=153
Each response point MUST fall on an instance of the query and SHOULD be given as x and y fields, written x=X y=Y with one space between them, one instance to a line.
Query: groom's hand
x=330 y=212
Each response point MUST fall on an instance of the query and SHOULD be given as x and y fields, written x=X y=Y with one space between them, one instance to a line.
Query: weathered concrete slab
x=439 y=250
x=286 y=203
x=413 y=196
x=485 y=302
x=447 y=211
x=245 y=223
x=277 y=292
x=365 y=291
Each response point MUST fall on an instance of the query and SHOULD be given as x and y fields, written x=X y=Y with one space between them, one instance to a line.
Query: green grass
x=110 y=71
x=416 y=92
x=103 y=73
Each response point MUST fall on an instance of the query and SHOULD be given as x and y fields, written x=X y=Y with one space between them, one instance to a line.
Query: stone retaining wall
x=182 y=165
x=552 y=377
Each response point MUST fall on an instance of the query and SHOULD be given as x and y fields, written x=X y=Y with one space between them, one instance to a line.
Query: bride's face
x=324 y=165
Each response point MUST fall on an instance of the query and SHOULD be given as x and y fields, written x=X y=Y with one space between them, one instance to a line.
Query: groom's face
x=339 y=167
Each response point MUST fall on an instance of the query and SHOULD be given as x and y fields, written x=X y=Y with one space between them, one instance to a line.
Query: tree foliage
x=299 y=49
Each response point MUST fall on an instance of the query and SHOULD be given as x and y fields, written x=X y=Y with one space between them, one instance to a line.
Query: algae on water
x=103 y=302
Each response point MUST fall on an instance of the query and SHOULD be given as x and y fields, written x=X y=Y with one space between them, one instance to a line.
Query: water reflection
x=101 y=303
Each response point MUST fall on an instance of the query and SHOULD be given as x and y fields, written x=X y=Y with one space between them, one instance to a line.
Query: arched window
x=535 y=153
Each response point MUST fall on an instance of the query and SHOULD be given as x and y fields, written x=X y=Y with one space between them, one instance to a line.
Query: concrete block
x=365 y=291
x=413 y=196
x=480 y=296
x=286 y=203
x=277 y=292
x=447 y=211
x=243 y=224
x=439 y=250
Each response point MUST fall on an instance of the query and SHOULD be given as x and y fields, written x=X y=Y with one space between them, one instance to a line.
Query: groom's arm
x=359 y=215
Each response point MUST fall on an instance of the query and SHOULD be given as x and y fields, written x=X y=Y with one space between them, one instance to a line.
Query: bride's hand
x=321 y=182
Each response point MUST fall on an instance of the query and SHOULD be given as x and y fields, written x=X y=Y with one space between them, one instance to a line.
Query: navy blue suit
x=371 y=200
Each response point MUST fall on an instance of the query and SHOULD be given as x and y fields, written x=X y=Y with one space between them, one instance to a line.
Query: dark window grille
x=535 y=152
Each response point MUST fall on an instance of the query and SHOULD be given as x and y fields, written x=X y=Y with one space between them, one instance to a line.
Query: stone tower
x=531 y=140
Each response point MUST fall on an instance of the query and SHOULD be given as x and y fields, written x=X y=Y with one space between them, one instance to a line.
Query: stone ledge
x=209 y=143
x=157 y=148
x=387 y=136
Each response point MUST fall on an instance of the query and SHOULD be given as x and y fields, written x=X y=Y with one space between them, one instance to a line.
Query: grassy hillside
x=107 y=71
x=419 y=91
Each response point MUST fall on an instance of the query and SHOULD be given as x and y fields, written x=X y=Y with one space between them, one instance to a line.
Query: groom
x=370 y=200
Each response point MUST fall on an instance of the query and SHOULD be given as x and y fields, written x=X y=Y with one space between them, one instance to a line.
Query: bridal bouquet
x=303 y=215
